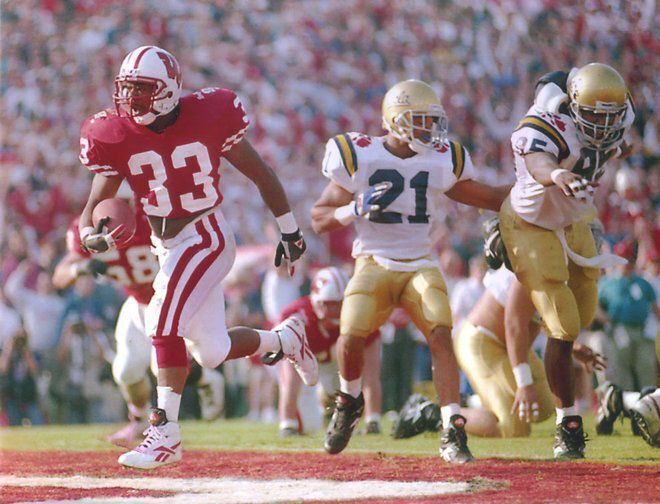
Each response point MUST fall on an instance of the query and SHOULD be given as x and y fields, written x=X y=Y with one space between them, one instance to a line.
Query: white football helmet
x=328 y=285
x=148 y=84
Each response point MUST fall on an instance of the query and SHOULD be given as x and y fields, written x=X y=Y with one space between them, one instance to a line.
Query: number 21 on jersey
x=419 y=184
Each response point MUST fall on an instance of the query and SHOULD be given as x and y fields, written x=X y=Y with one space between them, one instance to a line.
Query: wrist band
x=523 y=375
x=345 y=214
x=287 y=223
x=556 y=173
x=85 y=232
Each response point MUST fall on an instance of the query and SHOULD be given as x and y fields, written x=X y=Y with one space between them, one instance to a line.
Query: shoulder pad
x=347 y=151
x=458 y=155
x=549 y=125
x=558 y=77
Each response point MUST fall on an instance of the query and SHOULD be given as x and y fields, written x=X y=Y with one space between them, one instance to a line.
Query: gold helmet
x=406 y=108
x=598 y=104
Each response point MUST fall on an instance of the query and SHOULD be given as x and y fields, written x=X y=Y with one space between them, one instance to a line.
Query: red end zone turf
x=490 y=479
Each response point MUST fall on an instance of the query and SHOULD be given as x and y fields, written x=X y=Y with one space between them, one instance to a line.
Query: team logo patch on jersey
x=361 y=140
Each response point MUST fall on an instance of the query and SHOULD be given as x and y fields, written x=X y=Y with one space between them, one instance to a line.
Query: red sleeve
x=235 y=120
x=94 y=154
x=295 y=307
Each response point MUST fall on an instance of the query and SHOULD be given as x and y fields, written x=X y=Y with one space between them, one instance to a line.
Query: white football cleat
x=292 y=336
x=646 y=414
x=161 y=446
x=129 y=435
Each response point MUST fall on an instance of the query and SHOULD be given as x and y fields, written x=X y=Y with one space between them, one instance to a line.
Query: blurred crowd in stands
x=304 y=73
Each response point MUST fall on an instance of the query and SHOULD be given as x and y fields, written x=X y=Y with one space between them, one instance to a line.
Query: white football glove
x=100 y=239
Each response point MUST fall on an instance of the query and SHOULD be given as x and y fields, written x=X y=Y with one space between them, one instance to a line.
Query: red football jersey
x=320 y=340
x=174 y=173
x=134 y=266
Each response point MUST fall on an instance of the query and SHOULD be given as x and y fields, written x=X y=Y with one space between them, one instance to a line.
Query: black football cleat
x=610 y=407
x=372 y=427
x=348 y=410
x=570 y=439
x=453 y=447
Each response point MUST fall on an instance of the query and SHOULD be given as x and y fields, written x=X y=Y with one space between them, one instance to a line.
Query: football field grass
x=622 y=447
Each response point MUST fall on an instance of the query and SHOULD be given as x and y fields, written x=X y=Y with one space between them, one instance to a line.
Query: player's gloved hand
x=290 y=248
x=573 y=185
x=100 y=239
x=526 y=401
x=92 y=267
x=494 y=250
x=589 y=359
x=367 y=201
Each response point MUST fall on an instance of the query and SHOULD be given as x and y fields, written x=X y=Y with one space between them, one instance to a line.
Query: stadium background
x=305 y=71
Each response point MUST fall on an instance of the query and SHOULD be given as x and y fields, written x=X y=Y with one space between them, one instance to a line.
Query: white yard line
x=240 y=491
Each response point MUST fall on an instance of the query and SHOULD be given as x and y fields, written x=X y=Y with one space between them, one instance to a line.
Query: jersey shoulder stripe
x=457 y=158
x=548 y=130
x=347 y=152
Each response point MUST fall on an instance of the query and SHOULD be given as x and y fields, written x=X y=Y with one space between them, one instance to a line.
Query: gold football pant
x=564 y=294
x=373 y=292
x=484 y=360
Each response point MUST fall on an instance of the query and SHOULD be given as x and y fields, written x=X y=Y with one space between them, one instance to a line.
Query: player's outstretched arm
x=546 y=171
x=519 y=333
x=66 y=270
x=323 y=212
x=473 y=193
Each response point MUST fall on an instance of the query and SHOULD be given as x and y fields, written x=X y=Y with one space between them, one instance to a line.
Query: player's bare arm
x=249 y=163
x=519 y=333
x=545 y=169
x=65 y=271
x=323 y=213
x=473 y=193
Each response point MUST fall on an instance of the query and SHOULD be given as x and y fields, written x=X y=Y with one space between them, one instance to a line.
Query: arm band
x=287 y=223
x=523 y=375
x=556 y=173
x=345 y=214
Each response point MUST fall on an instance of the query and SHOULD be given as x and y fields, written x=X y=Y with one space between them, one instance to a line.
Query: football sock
x=352 y=387
x=289 y=423
x=374 y=417
x=447 y=411
x=564 y=412
x=629 y=399
x=169 y=401
x=269 y=341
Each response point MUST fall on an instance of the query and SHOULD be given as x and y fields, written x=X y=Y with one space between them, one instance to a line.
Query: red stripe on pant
x=178 y=272
x=197 y=274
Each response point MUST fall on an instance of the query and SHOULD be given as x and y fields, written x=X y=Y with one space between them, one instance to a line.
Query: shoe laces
x=457 y=435
x=574 y=438
x=153 y=434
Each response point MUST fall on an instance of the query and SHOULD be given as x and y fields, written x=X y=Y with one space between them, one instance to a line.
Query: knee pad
x=170 y=351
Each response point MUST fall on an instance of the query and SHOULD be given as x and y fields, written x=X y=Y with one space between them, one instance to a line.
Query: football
x=121 y=221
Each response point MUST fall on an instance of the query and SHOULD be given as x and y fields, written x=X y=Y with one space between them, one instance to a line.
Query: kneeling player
x=299 y=406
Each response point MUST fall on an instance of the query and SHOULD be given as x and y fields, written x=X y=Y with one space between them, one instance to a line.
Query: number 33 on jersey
x=174 y=173
x=401 y=230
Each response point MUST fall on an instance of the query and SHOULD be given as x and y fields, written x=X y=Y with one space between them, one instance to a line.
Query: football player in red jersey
x=298 y=408
x=169 y=149
x=134 y=267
